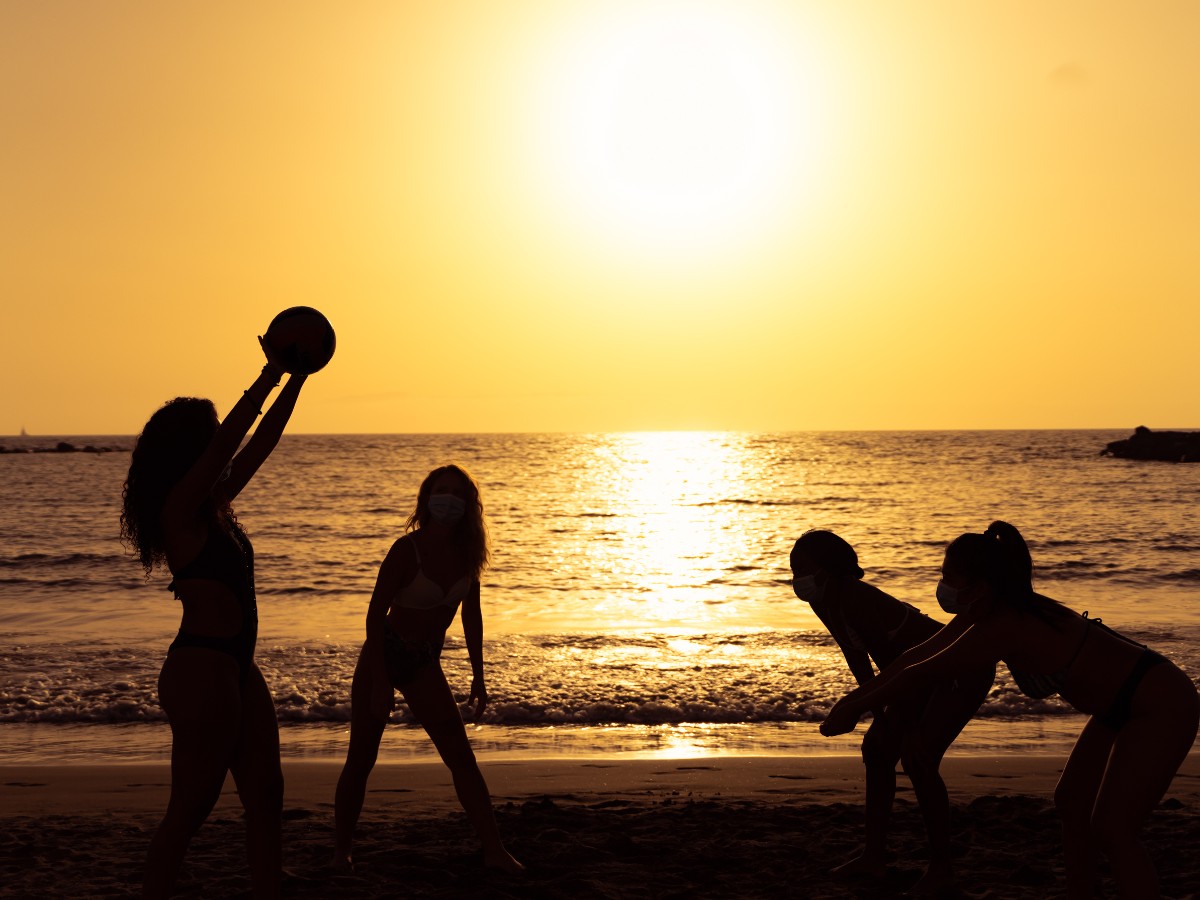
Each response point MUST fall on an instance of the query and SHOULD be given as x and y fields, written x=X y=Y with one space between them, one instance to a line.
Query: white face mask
x=807 y=589
x=446 y=509
x=947 y=598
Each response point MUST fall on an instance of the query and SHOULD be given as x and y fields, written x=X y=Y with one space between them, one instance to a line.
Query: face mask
x=446 y=509
x=947 y=598
x=807 y=589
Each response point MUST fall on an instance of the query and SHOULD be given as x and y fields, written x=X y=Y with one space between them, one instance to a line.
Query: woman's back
x=875 y=621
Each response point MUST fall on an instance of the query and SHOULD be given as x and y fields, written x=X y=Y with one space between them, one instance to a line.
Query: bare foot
x=938 y=878
x=860 y=865
x=342 y=864
x=503 y=861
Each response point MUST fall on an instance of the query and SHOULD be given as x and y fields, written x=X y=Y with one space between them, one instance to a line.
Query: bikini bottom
x=1122 y=706
x=237 y=646
x=406 y=658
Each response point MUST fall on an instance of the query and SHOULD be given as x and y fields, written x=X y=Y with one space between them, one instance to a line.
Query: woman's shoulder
x=404 y=550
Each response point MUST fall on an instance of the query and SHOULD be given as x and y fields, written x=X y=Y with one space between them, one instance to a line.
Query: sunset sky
x=591 y=216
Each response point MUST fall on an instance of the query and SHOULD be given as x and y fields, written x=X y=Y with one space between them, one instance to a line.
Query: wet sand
x=708 y=827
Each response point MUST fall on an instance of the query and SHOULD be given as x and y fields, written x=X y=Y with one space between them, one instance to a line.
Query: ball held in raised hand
x=301 y=339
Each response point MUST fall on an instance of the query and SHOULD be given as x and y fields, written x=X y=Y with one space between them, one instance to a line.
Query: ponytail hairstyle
x=471 y=531
x=1000 y=558
x=832 y=553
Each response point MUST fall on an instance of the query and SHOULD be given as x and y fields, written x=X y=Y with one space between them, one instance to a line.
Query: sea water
x=639 y=599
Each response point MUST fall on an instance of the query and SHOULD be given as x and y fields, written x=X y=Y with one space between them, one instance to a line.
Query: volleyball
x=301 y=339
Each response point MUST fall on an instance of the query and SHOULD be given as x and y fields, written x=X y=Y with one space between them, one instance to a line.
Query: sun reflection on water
x=677 y=496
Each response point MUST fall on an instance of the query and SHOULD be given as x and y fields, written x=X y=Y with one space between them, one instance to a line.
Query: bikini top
x=1039 y=687
x=425 y=593
x=228 y=557
x=882 y=645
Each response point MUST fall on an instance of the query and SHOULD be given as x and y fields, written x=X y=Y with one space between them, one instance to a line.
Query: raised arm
x=265 y=436
x=196 y=486
x=472 y=622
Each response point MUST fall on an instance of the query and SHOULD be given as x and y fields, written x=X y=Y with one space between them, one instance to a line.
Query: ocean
x=639 y=600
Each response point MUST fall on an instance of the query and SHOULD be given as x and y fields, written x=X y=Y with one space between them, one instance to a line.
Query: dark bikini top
x=1039 y=687
x=227 y=557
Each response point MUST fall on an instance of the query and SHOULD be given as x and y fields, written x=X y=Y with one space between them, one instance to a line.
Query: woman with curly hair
x=428 y=573
x=185 y=472
x=1144 y=710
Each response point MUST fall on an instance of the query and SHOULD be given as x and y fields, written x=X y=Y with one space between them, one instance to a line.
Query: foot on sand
x=342 y=864
x=503 y=861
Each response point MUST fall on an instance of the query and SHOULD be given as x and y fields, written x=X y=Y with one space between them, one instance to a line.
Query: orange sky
x=592 y=216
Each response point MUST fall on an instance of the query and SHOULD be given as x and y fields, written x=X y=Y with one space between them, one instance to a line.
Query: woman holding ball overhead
x=185 y=472
x=1144 y=710
x=428 y=573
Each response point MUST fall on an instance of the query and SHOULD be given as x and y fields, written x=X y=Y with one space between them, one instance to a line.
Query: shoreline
x=710 y=826
x=138 y=742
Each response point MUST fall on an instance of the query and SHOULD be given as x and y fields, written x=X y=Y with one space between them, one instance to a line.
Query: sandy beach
x=712 y=827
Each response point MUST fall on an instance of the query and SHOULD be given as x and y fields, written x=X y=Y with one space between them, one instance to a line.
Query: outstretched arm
x=836 y=616
x=472 y=622
x=958 y=646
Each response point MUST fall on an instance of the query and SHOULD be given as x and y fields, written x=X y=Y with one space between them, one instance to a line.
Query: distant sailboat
x=24 y=433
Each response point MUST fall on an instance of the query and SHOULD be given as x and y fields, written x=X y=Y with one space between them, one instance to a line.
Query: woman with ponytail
x=1144 y=710
x=873 y=627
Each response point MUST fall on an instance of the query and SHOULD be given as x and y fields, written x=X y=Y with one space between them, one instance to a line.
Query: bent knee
x=1071 y=803
x=879 y=749
x=920 y=762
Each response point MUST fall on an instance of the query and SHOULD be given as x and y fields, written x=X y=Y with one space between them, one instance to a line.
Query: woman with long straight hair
x=1143 y=709
x=432 y=570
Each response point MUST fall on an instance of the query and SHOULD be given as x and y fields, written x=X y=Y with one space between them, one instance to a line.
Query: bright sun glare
x=681 y=125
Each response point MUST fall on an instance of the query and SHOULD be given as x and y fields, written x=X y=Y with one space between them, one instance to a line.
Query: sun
x=681 y=125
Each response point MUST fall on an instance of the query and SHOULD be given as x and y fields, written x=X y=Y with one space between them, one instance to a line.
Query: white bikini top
x=425 y=593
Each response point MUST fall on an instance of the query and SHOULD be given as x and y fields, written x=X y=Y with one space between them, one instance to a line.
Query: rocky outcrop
x=1168 y=446
x=60 y=447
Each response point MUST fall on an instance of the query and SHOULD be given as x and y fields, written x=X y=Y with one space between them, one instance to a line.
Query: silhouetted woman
x=1144 y=710
x=432 y=569
x=917 y=727
x=185 y=472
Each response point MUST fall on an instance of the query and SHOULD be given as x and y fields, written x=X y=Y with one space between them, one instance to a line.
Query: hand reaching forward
x=841 y=719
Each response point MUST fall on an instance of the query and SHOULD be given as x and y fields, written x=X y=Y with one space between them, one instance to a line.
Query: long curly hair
x=169 y=445
x=471 y=531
